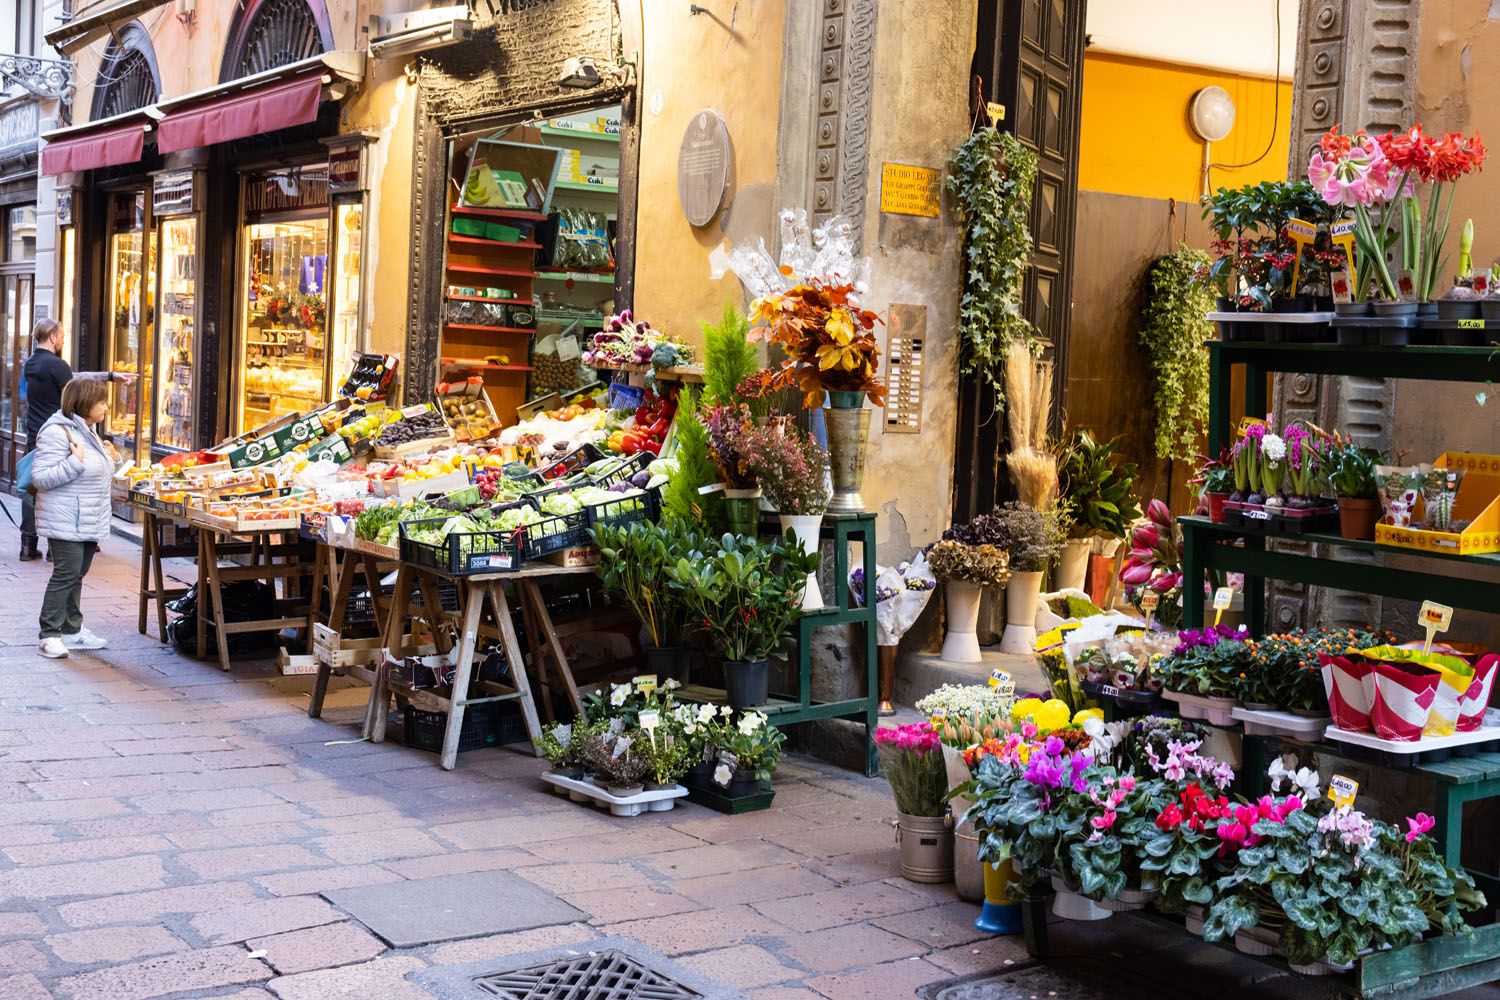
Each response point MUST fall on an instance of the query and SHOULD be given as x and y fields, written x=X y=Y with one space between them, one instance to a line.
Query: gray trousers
x=70 y=563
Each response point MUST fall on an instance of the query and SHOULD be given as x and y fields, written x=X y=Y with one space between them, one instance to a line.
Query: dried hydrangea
x=981 y=565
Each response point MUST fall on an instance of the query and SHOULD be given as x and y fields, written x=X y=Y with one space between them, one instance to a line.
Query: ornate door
x=1028 y=61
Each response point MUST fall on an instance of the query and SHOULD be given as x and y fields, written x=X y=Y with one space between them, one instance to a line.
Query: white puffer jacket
x=72 y=496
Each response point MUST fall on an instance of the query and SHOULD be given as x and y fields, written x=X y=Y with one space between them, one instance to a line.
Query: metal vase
x=848 y=436
x=926 y=847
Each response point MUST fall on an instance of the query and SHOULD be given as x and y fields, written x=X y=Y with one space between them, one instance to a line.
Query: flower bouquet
x=900 y=595
x=912 y=758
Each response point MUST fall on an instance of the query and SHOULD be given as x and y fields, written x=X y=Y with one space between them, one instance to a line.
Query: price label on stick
x=1223 y=598
x=1150 y=601
x=649 y=719
x=998 y=677
x=1434 y=618
x=1302 y=234
x=1342 y=790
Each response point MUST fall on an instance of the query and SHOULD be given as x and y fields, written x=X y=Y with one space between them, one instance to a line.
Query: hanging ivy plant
x=992 y=176
x=1176 y=325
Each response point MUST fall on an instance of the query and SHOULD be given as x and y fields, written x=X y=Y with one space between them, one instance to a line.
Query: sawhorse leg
x=545 y=643
x=148 y=545
x=379 y=706
x=512 y=648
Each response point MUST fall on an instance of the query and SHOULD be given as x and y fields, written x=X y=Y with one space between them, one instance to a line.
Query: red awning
x=90 y=150
x=264 y=109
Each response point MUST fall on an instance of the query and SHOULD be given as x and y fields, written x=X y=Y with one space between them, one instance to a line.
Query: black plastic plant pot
x=747 y=682
x=1458 y=309
x=1395 y=308
x=1353 y=336
x=666 y=661
x=1352 y=308
x=1292 y=304
x=1395 y=336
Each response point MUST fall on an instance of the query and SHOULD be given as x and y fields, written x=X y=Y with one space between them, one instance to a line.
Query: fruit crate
x=625 y=509
x=623 y=470
x=579 y=458
x=462 y=553
x=553 y=533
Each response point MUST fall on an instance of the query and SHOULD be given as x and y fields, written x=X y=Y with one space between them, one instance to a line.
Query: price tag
x=710 y=488
x=567 y=348
x=1342 y=292
x=1150 y=601
x=1109 y=691
x=1248 y=422
x=1434 y=618
x=998 y=677
x=1342 y=790
x=1471 y=324
x=1302 y=234
x=645 y=683
x=1223 y=598
x=415 y=410
x=649 y=720
x=1343 y=235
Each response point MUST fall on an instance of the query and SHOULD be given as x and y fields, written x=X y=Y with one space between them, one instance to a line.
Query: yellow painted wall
x=728 y=60
x=1135 y=138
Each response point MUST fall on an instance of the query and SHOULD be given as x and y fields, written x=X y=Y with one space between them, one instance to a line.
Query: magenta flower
x=1418 y=825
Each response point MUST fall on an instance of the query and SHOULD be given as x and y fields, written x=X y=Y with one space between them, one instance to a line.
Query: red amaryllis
x=1407 y=151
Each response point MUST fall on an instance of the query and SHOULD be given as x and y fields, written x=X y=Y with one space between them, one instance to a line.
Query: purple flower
x=1045 y=770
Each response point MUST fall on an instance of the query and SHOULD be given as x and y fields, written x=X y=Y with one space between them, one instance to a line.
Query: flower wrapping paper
x=1350 y=686
x=1403 y=702
x=1473 y=702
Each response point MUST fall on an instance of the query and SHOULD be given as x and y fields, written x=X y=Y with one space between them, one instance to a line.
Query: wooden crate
x=418 y=447
x=238 y=526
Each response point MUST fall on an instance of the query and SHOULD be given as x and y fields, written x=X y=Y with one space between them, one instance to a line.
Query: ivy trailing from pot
x=992 y=177
x=1173 y=333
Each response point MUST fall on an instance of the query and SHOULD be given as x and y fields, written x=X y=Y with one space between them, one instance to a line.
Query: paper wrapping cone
x=1403 y=702
x=1474 y=701
x=1350 y=686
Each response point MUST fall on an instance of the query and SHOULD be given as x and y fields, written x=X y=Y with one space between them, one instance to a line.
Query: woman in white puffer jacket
x=71 y=474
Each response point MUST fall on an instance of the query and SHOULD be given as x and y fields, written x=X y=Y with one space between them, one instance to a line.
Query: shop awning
x=80 y=31
x=95 y=144
x=276 y=99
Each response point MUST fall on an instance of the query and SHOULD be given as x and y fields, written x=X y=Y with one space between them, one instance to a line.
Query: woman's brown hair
x=80 y=396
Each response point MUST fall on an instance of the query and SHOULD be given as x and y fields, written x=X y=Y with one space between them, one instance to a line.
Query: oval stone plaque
x=703 y=167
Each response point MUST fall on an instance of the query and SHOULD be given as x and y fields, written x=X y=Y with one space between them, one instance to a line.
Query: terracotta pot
x=806 y=528
x=961 y=644
x=1216 y=506
x=1073 y=565
x=1357 y=517
x=1022 y=594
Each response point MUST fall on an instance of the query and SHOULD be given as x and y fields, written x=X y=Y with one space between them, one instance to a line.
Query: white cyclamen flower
x=618 y=693
x=722 y=774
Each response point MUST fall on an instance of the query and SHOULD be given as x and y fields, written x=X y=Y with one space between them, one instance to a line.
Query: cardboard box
x=577 y=555
x=468 y=391
x=1478 y=502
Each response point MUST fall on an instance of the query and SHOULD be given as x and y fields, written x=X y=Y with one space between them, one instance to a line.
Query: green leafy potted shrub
x=1095 y=487
x=1351 y=474
x=743 y=595
x=633 y=559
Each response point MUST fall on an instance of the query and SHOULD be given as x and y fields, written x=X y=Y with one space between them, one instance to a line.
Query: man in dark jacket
x=44 y=375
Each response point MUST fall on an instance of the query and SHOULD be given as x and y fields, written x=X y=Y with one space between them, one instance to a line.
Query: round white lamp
x=1211 y=115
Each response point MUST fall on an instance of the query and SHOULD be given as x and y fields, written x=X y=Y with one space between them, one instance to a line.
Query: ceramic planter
x=1071 y=906
x=1357 y=517
x=968 y=870
x=742 y=510
x=1022 y=594
x=1255 y=941
x=848 y=421
x=1129 y=899
x=1212 y=710
x=1073 y=565
x=747 y=682
x=961 y=644
x=999 y=915
x=926 y=848
x=806 y=528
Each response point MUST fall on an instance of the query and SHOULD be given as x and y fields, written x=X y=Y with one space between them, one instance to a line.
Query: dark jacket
x=45 y=375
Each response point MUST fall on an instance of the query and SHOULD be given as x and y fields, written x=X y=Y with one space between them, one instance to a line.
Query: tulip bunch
x=1155 y=560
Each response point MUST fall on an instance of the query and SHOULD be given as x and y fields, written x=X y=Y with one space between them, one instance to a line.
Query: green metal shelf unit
x=1438 y=965
x=786 y=708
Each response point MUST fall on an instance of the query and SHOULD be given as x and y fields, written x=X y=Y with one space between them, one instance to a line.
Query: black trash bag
x=187 y=604
x=244 y=600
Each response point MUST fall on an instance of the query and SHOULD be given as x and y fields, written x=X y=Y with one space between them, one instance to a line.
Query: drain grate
x=606 y=975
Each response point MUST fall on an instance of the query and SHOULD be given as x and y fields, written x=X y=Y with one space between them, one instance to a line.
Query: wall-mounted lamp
x=1211 y=115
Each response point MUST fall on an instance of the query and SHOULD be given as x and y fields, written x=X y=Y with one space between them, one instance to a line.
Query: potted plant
x=1154 y=564
x=965 y=570
x=563 y=745
x=1351 y=475
x=1216 y=482
x=1203 y=673
x=728 y=427
x=1174 y=327
x=832 y=353
x=1036 y=538
x=617 y=765
x=788 y=463
x=633 y=559
x=668 y=750
x=756 y=748
x=1305 y=508
x=900 y=594
x=743 y=594
x=1095 y=487
x=912 y=758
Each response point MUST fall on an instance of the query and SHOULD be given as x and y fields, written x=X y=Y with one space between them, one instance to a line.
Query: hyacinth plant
x=1305 y=465
x=912 y=758
x=787 y=462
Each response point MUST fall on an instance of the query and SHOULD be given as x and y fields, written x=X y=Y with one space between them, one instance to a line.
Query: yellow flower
x=1025 y=708
x=1083 y=715
x=840 y=327
x=1054 y=714
x=1023 y=752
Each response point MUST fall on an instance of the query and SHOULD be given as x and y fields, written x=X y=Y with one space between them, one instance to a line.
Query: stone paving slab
x=447 y=907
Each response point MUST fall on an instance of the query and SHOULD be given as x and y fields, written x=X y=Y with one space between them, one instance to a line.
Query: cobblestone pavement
x=169 y=830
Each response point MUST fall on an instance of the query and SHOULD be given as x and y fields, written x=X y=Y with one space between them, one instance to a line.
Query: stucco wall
x=727 y=60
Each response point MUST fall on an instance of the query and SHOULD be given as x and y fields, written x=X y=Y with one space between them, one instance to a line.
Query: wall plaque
x=904 y=369
x=909 y=190
x=703 y=167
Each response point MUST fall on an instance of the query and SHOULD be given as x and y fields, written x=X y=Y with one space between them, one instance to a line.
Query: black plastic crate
x=625 y=508
x=622 y=470
x=579 y=458
x=553 y=533
x=463 y=553
x=491 y=723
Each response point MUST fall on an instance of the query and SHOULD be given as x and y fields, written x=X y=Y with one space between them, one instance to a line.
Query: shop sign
x=286 y=191
x=172 y=192
x=64 y=206
x=18 y=127
x=346 y=162
x=909 y=190
x=703 y=167
x=903 y=369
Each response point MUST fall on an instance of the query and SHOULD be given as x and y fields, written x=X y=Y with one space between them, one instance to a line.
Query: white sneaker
x=52 y=647
x=84 y=639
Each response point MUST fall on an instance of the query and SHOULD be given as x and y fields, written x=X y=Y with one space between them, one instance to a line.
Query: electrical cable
x=1275 y=110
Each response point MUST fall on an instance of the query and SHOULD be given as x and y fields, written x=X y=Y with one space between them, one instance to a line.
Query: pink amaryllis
x=1353 y=172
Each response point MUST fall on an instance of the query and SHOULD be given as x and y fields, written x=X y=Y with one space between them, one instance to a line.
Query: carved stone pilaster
x=841 y=135
x=1356 y=68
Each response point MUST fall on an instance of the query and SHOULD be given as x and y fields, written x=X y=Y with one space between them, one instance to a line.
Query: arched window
x=128 y=78
x=271 y=33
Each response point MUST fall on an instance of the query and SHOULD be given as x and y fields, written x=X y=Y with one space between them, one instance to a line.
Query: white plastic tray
x=1270 y=723
x=1489 y=731
x=1215 y=711
x=656 y=800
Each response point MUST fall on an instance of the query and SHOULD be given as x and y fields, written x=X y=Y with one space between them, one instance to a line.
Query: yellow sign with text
x=910 y=190
x=1342 y=790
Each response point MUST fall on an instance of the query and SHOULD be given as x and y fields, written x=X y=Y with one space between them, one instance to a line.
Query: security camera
x=579 y=73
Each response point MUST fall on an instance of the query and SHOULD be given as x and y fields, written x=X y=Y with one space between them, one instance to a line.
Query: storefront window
x=179 y=282
x=131 y=269
x=20 y=233
x=67 y=288
x=283 y=347
x=348 y=219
